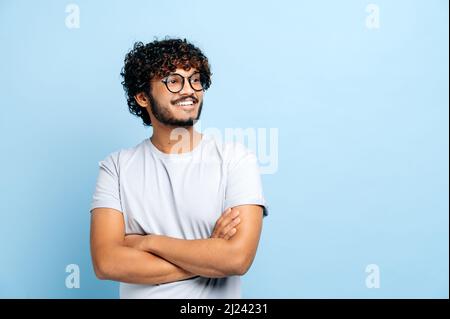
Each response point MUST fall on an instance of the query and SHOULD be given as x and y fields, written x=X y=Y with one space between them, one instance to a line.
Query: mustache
x=193 y=98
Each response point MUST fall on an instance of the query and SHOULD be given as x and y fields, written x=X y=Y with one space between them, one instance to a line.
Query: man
x=180 y=214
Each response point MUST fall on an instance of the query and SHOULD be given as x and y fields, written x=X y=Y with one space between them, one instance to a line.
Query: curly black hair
x=158 y=59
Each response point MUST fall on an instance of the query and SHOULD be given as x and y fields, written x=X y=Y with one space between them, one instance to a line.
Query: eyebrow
x=187 y=76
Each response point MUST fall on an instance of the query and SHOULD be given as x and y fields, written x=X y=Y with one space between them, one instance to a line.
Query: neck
x=170 y=139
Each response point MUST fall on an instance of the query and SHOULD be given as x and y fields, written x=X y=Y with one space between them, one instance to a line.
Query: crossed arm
x=156 y=259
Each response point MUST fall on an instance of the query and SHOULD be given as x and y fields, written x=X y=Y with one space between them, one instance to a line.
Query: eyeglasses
x=175 y=82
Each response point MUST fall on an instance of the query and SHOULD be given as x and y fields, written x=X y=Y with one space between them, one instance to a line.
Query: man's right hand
x=225 y=225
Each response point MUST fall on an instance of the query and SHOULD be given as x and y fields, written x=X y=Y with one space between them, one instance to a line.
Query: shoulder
x=122 y=156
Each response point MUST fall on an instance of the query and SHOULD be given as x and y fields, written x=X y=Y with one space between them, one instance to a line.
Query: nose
x=186 y=89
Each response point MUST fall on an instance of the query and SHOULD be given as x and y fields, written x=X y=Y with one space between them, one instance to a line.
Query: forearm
x=125 y=264
x=212 y=257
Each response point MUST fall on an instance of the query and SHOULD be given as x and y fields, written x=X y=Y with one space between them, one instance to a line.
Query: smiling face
x=175 y=109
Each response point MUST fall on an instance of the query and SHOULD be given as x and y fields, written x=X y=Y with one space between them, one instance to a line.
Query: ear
x=142 y=99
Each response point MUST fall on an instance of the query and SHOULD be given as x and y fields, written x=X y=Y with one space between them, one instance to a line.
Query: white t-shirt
x=181 y=196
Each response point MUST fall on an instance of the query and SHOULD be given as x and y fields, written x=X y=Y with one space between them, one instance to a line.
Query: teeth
x=185 y=103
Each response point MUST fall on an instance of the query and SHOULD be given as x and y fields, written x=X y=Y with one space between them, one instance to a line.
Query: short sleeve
x=107 y=193
x=244 y=186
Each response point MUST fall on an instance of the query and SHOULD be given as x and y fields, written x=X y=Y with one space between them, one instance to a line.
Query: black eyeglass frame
x=166 y=79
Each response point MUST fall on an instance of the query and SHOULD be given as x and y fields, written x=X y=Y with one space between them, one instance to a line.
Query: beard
x=164 y=115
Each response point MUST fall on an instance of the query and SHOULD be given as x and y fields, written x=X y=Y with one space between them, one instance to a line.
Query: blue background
x=362 y=116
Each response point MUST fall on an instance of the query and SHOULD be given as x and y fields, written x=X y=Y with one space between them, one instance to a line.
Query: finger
x=223 y=222
x=222 y=217
x=229 y=218
x=230 y=233
x=235 y=213
x=231 y=225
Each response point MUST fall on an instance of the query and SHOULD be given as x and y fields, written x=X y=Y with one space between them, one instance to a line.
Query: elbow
x=241 y=260
x=233 y=266
x=101 y=268
x=242 y=269
x=242 y=265
x=100 y=272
